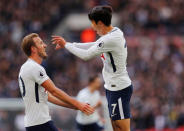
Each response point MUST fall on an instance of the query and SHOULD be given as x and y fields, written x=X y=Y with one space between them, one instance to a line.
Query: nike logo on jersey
x=112 y=115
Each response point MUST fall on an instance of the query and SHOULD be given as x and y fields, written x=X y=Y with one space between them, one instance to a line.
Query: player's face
x=40 y=46
x=96 y=27
x=97 y=83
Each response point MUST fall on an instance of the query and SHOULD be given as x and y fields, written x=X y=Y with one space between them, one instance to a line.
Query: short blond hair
x=28 y=42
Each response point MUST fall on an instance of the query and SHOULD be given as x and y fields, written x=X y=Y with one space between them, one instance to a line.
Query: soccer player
x=113 y=50
x=37 y=88
x=91 y=95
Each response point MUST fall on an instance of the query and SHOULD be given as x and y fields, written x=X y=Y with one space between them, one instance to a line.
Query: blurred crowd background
x=154 y=30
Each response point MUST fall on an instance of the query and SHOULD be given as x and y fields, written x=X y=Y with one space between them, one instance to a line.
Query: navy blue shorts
x=119 y=103
x=89 y=127
x=49 y=126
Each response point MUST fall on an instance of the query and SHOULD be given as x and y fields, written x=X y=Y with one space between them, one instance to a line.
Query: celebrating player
x=113 y=50
x=37 y=88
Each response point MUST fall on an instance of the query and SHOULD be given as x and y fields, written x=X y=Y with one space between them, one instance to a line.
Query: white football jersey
x=91 y=98
x=35 y=97
x=113 y=50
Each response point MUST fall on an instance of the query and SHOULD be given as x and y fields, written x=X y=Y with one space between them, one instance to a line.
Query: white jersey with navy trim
x=91 y=98
x=113 y=50
x=31 y=76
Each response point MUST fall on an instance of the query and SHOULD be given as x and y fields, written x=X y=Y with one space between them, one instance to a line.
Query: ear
x=100 y=23
x=33 y=49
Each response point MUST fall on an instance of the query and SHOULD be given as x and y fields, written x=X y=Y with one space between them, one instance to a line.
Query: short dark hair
x=93 y=78
x=101 y=13
x=28 y=42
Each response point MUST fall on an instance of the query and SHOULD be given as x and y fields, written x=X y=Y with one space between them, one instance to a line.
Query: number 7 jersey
x=114 y=59
x=35 y=97
x=113 y=51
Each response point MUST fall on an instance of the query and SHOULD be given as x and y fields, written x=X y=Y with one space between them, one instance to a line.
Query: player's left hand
x=59 y=41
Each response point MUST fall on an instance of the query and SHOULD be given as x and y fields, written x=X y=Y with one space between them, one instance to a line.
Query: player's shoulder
x=82 y=94
x=31 y=66
x=115 y=32
x=84 y=90
x=114 y=35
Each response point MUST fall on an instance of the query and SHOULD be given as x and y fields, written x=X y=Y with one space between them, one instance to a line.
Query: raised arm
x=83 y=53
x=83 y=45
x=97 y=48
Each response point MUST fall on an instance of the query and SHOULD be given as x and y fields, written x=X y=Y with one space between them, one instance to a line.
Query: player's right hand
x=58 y=41
x=86 y=108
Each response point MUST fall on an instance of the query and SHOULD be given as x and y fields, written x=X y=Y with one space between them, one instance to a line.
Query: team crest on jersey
x=101 y=44
x=41 y=74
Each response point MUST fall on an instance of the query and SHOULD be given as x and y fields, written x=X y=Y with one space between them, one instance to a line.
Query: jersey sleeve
x=98 y=47
x=39 y=75
x=83 y=45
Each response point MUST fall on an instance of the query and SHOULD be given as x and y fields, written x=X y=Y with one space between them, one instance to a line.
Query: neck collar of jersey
x=29 y=59
x=113 y=29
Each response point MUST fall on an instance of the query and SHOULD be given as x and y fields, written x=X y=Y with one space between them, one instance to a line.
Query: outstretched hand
x=58 y=41
x=86 y=109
